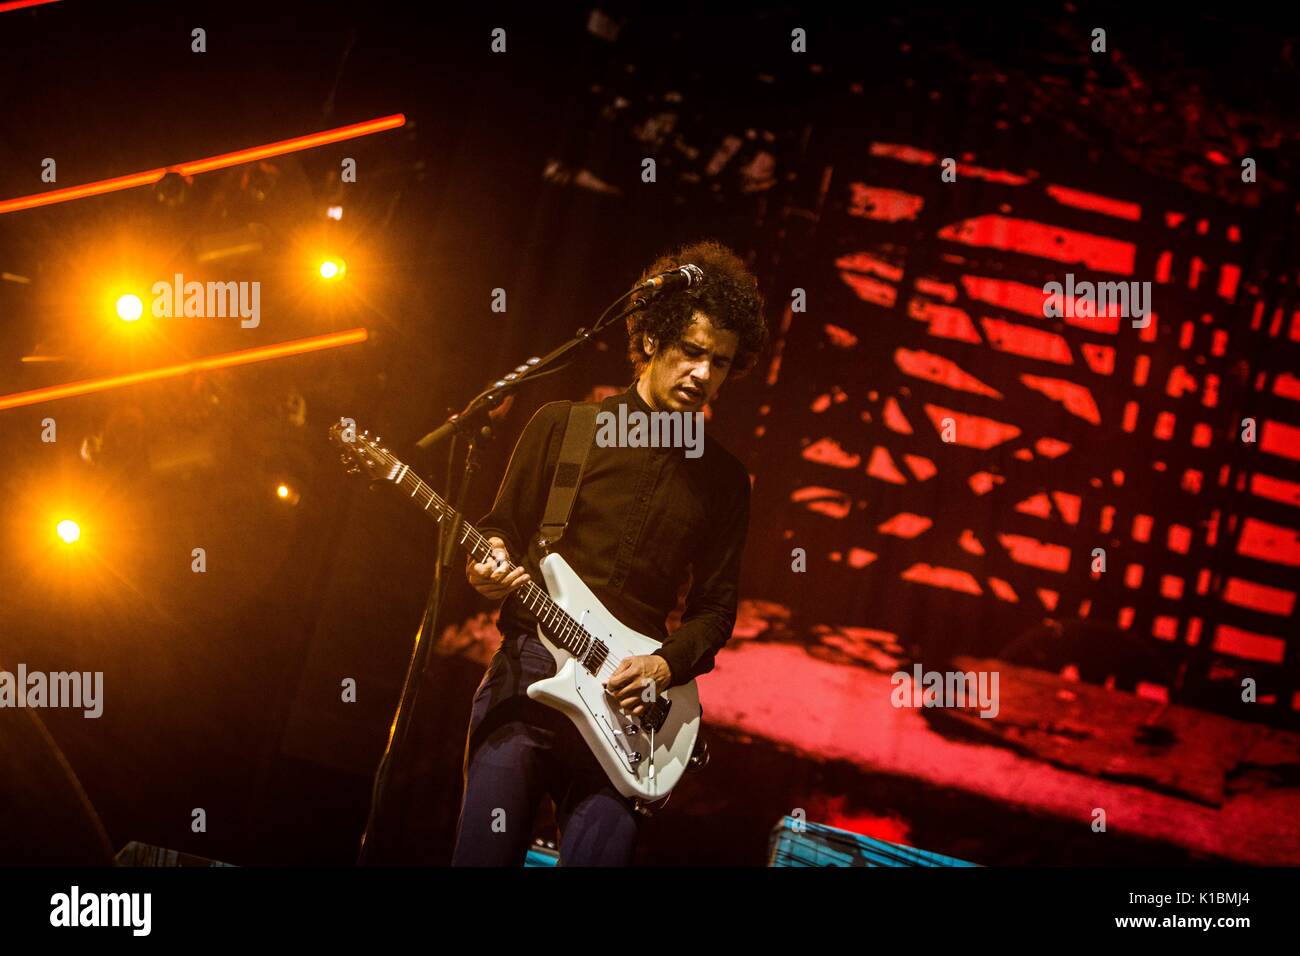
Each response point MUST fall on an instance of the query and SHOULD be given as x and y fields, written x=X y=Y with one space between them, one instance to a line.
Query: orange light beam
x=196 y=166
x=260 y=353
x=19 y=4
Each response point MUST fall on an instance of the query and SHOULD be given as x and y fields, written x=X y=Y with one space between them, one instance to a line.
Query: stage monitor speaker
x=542 y=853
x=800 y=843
x=142 y=854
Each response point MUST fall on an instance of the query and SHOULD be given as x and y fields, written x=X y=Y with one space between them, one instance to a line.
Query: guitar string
x=606 y=667
x=564 y=627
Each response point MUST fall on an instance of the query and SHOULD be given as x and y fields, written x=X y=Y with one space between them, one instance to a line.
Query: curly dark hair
x=728 y=295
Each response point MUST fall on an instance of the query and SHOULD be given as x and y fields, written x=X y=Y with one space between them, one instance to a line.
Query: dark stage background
x=897 y=300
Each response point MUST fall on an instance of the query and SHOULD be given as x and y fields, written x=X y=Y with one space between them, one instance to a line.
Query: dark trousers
x=516 y=750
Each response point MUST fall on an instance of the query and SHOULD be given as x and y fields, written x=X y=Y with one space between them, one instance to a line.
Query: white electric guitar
x=644 y=756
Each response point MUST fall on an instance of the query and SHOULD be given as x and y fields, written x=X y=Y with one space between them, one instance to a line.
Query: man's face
x=685 y=376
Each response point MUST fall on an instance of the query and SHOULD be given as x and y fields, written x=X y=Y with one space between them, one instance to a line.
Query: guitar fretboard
x=590 y=651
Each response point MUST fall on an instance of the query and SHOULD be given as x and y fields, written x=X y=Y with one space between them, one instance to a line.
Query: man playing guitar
x=643 y=517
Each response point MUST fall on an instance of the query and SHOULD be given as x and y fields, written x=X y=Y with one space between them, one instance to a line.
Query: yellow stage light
x=287 y=494
x=333 y=269
x=129 y=308
x=68 y=530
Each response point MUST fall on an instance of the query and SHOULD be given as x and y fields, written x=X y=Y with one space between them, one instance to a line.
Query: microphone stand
x=472 y=424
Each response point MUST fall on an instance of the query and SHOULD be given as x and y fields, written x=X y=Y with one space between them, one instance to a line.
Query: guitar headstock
x=363 y=453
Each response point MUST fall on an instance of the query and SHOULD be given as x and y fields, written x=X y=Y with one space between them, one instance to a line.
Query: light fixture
x=333 y=269
x=129 y=308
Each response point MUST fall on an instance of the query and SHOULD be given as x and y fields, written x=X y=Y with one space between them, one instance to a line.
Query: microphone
x=688 y=275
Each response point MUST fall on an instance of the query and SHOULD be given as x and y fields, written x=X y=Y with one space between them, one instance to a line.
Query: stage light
x=333 y=269
x=224 y=161
x=129 y=308
x=21 y=4
x=287 y=494
x=173 y=189
x=334 y=212
x=261 y=353
x=68 y=530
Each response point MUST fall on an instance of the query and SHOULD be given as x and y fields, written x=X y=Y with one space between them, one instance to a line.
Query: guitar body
x=615 y=737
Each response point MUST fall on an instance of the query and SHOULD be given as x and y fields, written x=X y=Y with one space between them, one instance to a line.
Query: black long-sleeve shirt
x=641 y=519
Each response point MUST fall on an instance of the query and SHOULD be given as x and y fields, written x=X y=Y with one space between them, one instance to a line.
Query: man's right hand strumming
x=491 y=577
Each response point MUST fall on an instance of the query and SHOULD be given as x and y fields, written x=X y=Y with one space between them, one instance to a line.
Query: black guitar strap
x=579 y=433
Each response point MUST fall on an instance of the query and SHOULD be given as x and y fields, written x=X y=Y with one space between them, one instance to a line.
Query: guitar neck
x=557 y=622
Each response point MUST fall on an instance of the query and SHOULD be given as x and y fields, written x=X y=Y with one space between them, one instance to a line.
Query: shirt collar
x=637 y=403
x=634 y=399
